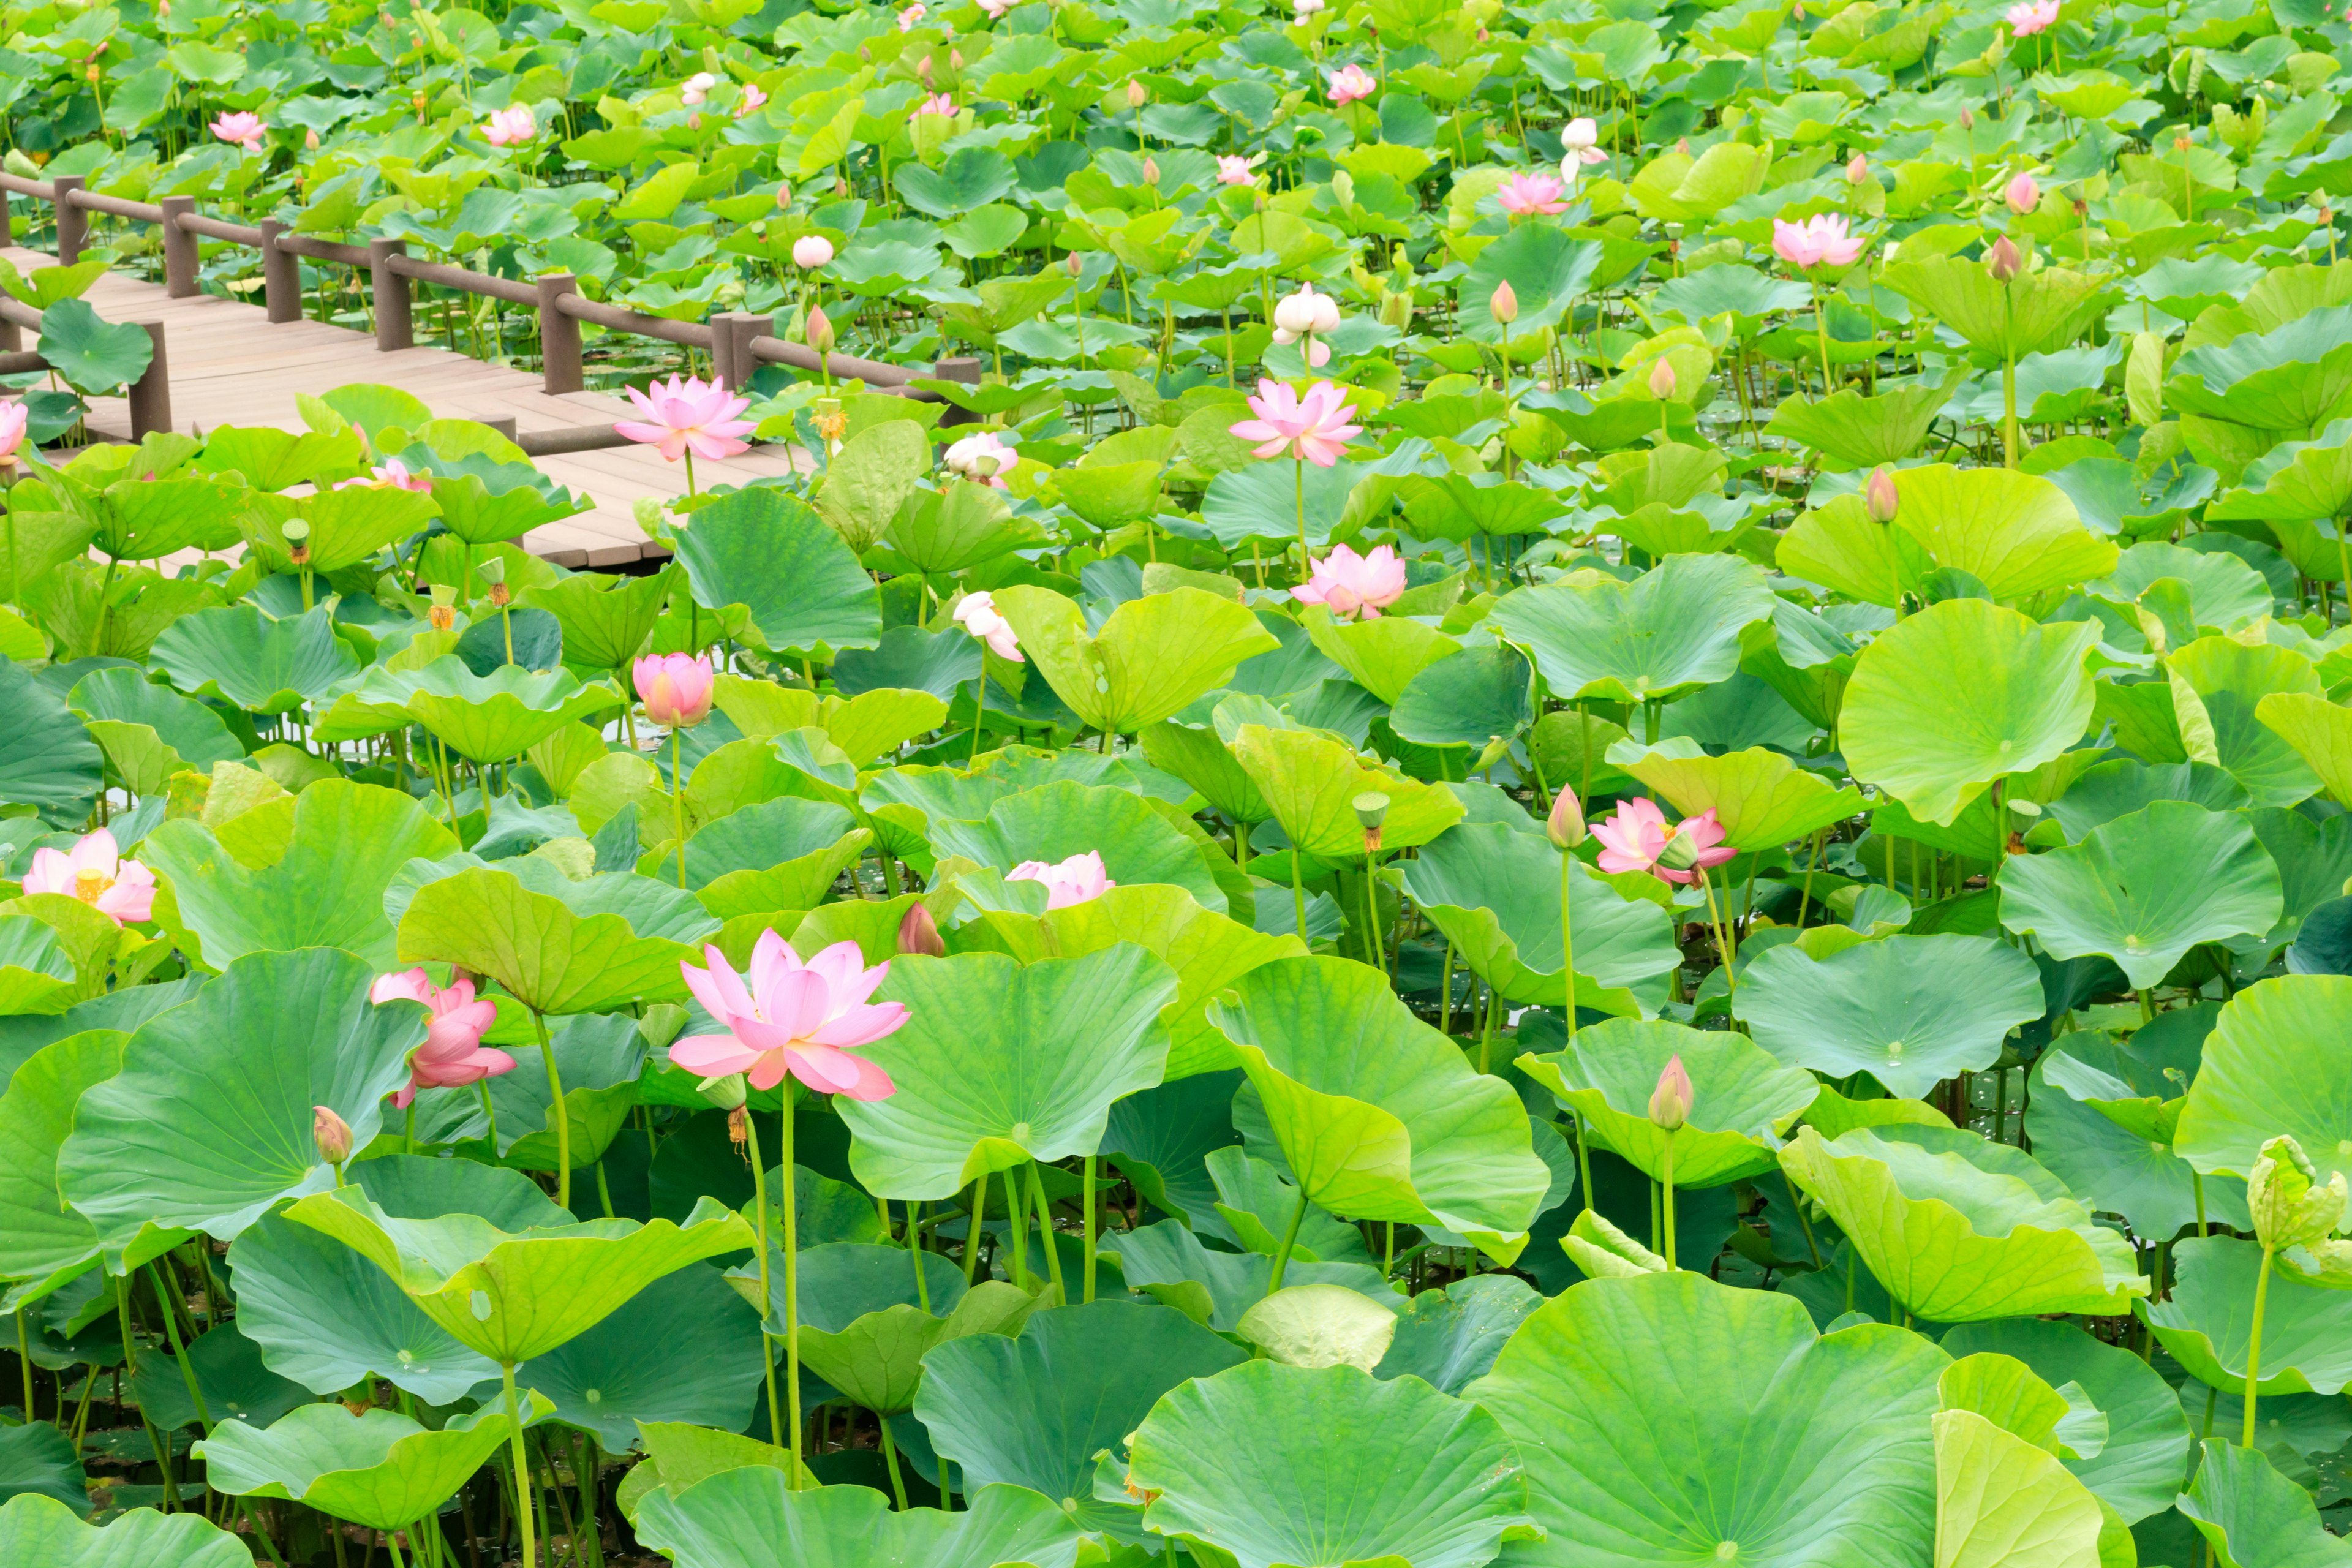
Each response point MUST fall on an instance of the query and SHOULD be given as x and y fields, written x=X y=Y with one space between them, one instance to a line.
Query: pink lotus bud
x=1151 y=170
x=1136 y=95
x=1671 y=1101
x=694 y=122
x=783 y=196
x=2021 y=194
x=1662 y=378
x=1967 y=119
x=923 y=68
x=332 y=1134
x=1882 y=496
x=1565 y=827
x=811 y=251
x=1504 y=305
x=2004 y=261
x=920 y=933
x=1072 y=264
x=1857 y=169
x=820 y=330
x=955 y=59
x=310 y=140
x=676 y=689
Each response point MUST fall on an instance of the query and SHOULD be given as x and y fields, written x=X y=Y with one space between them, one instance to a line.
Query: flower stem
x=1567 y=948
x=525 y=1485
x=759 y=1210
x=557 y=1112
x=678 y=801
x=1666 y=1193
x=1305 y=566
x=1087 y=1287
x=2254 y=1348
x=792 y=1297
x=1045 y=1231
x=1289 y=1239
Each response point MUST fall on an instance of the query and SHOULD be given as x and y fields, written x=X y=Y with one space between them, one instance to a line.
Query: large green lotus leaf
x=2218 y=687
x=328 y=1318
x=1746 y=1101
x=798 y=579
x=1310 y=781
x=1147 y=662
x=2319 y=731
x=686 y=1347
x=2208 y=1321
x=782 y=854
x=490 y=718
x=2137 y=1472
x=1841 y=546
x=511 y=1296
x=552 y=960
x=1160 y=1140
x=1000 y=1063
x=970 y=524
x=1266 y=1464
x=1494 y=890
x=375 y=1468
x=1860 y=431
x=1384 y=656
x=1910 y=1011
x=1197 y=754
x=1136 y=843
x=1667 y=633
x=1547 y=269
x=123 y=1008
x=1450 y=1338
x=1468 y=699
x=1207 y=951
x=2144 y=888
x=209 y=1122
x=2038 y=311
x=1960 y=1229
x=1668 y=1419
x=322 y=886
x=2295 y=377
x=1762 y=799
x=48 y=759
x=866 y=1325
x=1217 y=1289
x=1379 y=1115
x=2004 y=1502
x=268 y=665
x=237 y=1384
x=2029 y=700
x=746 y=1518
x=2117 y=1154
x=2014 y=533
x=1034 y=1410
x=605 y=619
x=2254 y=1517
x=38 y=1459
x=2279 y=1060
x=2224 y=591
x=35 y=1529
x=652 y=908
x=192 y=732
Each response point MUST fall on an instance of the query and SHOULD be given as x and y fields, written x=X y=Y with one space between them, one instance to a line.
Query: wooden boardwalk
x=229 y=365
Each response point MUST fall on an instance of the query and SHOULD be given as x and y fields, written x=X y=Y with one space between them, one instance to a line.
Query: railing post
x=182 y=259
x=730 y=347
x=151 y=394
x=73 y=224
x=7 y=219
x=281 y=275
x=392 y=328
x=559 y=336
x=963 y=368
x=502 y=423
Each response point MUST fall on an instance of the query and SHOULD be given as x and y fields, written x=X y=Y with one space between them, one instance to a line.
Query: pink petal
x=711 y=1055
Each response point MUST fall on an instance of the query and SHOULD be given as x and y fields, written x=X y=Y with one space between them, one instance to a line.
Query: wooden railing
x=150 y=396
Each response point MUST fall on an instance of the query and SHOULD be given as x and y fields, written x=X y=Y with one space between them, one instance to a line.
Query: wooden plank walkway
x=229 y=365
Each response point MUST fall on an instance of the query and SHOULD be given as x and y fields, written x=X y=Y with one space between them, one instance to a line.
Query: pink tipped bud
x=1075 y=265
x=1882 y=496
x=2004 y=262
x=920 y=933
x=1662 y=378
x=1967 y=119
x=820 y=330
x=783 y=196
x=923 y=68
x=1136 y=95
x=955 y=59
x=1565 y=827
x=1504 y=304
x=1671 y=1101
x=332 y=1134
x=310 y=140
x=1857 y=169
x=1151 y=170
x=2021 y=194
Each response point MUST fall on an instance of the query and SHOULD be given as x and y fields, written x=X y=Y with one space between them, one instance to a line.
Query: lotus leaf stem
x=557 y=1111
x=1289 y=1240
x=1086 y=1286
x=2254 y=1346
x=1046 y=1230
x=521 y=1464
x=179 y=1351
x=890 y=1461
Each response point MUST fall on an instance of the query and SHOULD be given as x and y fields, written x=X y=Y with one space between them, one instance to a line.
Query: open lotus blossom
x=242 y=129
x=910 y=19
x=13 y=416
x=2031 y=16
x=977 y=614
x=94 y=871
x=511 y=127
x=1302 y=9
x=1349 y=83
x=1582 y=139
x=795 y=1018
x=984 y=457
x=687 y=414
x=1314 y=427
x=453 y=1054
x=811 y=251
x=996 y=8
x=1232 y=169
x=1637 y=839
x=1349 y=584
x=1071 y=881
x=697 y=87
x=391 y=474
x=1820 y=240
x=938 y=104
x=753 y=101
x=2021 y=193
x=1524 y=194
x=675 y=687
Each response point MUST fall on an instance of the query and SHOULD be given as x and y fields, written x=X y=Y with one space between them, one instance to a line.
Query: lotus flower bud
x=1136 y=95
x=955 y=59
x=1967 y=119
x=310 y=140
x=331 y=1134
x=919 y=933
x=2290 y=1204
x=1662 y=378
x=1371 y=810
x=2004 y=262
x=1565 y=827
x=811 y=251
x=923 y=68
x=1073 y=265
x=1151 y=170
x=1857 y=169
x=2021 y=193
x=783 y=196
x=1504 y=306
x=1882 y=496
x=1671 y=1101
x=820 y=330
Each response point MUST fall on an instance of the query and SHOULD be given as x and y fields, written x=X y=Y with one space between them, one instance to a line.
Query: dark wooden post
x=963 y=368
x=730 y=346
x=281 y=275
x=559 y=335
x=393 y=327
x=73 y=224
x=151 y=394
x=182 y=259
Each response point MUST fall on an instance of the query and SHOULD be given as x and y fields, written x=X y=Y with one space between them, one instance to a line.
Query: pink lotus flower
x=453 y=1054
x=1071 y=881
x=938 y=104
x=13 y=415
x=1582 y=141
x=1306 y=314
x=811 y=251
x=94 y=871
x=1637 y=837
x=1233 y=170
x=1348 y=583
x=910 y=18
x=697 y=87
x=1349 y=83
x=1820 y=240
x=996 y=8
x=675 y=687
x=1671 y=1101
x=752 y=103
x=241 y=128
x=1314 y=427
x=688 y=415
x=2031 y=16
x=2021 y=193
x=794 y=1019
x=976 y=614
x=391 y=474
x=984 y=458
x=1525 y=194
x=511 y=127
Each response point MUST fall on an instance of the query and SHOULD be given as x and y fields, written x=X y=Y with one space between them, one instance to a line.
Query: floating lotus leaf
x=1745 y=1102
x=375 y=1468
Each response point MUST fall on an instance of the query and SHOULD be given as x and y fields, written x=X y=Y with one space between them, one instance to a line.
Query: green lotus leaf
x=2001 y=1500
x=238 y=1385
x=328 y=1318
x=2040 y=310
x=126 y=698
x=2252 y=1517
x=746 y=1518
x=1217 y=1289
x=1450 y=1338
x=42 y=1530
x=490 y=718
x=798 y=580
x=2030 y=700
x=2218 y=687
x=783 y=854
x=678 y=1455
x=1268 y=1464
x=36 y=972
x=1745 y=1103
x=1670 y=1419
x=1198 y=754
x=605 y=619
x=2100 y=794
x=1160 y=1141
x=866 y=1326
x=1959 y=1230
x=39 y=1459
x=1384 y=656
x=2319 y=731
x=1137 y=845
x=2014 y=533
x=209 y=1122
x=1910 y=1011
x=2113 y=1147
x=1034 y=1410
x=1310 y=782
x=2224 y=592
x=2207 y=1322
x=1150 y=659
x=510 y=1295
x=1207 y=951
x=1860 y=431
x=1667 y=633
x=967 y=524
x=548 y=958
x=1762 y=799
x=375 y=1468
x=1319 y=1326
x=701 y=1364
x=1467 y=699
x=268 y=665
x=1000 y=1063
x=2275 y=1062
x=2144 y=888
x=1377 y=1114
x=2295 y=377
x=1494 y=890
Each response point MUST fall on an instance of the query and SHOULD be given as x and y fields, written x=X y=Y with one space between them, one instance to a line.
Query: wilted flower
x=242 y=129
x=2290 y=1207
x=1820 y=240
x=976 y=614
x=2021 y=193
x=687 y=414
x=984 y=457
x=1524 y=194
x=793 y=1018
x=1072 y=881
x=1349 y=83
x=1565 y=824
x=811 y=251
x=1671 y=1101
x=94 y=871
x=453 y=1054
x=1314 y=427
x=1348 y=583
x=676 y=689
